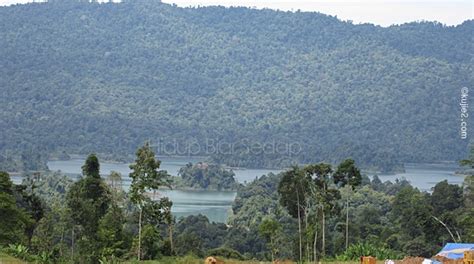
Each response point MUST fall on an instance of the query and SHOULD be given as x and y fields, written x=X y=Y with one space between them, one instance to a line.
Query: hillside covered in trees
x=89 y=77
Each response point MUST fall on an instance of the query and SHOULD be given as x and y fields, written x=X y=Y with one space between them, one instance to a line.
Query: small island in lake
x=205 y=176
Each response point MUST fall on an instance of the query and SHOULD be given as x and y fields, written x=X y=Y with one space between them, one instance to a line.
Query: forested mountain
x=89 y=77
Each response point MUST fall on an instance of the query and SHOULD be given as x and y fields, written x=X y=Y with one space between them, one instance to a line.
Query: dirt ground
x=419 y=260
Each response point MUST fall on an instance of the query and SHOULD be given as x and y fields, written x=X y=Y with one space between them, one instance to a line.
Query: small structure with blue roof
x=455 y=250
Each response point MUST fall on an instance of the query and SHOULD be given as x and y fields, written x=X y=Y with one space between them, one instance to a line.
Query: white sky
x=380 y=12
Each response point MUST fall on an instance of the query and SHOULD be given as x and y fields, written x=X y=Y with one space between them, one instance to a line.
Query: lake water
x=426 y=176
x=216 y=205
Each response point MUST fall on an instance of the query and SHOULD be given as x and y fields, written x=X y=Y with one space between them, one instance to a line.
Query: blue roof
x=455 y=250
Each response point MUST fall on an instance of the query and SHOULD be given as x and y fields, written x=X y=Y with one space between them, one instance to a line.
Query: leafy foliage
x=15 y=220
x=207 y=177
x=390 y=222
x=226 y=253
x=347 y=174
x=147 y=178
x=145 y=175
x=51 y=187
x=19 y=250
x=355 y=251
x=270 y=229
x=88 y=200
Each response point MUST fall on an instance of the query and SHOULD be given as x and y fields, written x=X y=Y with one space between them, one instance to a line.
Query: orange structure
x=468 y=257
x=368 y=260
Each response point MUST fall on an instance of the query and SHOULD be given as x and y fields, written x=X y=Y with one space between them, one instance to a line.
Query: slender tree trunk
x=347 y=222
x=447 y=228
x=61 y=241
x=139 y=233
x=299 y=225
x=315 y=244
x=308 y=252
x=323 y=246
x=170 y=232
x=72 y=245
x=308 y=249
x=271 y=244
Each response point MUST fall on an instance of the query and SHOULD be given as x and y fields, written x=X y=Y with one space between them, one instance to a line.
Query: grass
x=6 y=259
x=195 y=260
x=190 y=260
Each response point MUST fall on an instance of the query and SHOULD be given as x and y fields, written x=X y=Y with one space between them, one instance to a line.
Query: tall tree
x=467 y=219
x=269 y=229
x=111 y=233
x=294 y=189
x=446 y=197
x=13 y=220
x=347 y=174
x=446 y=201
x=412 y=215
x=145 y=177
x=165 y=205
x=323 y=193
x=91 y=167
x=88 y=200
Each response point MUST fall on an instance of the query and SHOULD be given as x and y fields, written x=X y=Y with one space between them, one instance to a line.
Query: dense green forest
x=300 y=214
x=255 y=88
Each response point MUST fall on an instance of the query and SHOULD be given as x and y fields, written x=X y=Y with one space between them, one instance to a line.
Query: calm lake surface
x=170 y=164
x=426 y=176
x=216 y=205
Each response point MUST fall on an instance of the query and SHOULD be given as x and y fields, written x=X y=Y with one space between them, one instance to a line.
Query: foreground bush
x=355 y=251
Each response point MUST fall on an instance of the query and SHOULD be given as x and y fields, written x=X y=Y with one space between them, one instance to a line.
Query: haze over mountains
x=87 y=77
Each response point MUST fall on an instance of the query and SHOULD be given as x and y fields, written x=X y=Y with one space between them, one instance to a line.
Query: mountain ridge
x=86 y=77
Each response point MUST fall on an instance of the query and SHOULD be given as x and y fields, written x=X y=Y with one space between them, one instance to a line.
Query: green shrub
x=19 y=251
x=225 y=253
x=355 y=251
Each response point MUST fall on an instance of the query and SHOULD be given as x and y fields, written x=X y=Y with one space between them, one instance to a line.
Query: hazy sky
x=380 y=12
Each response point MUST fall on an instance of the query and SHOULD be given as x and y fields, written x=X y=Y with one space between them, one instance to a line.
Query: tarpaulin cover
x=455 y=250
